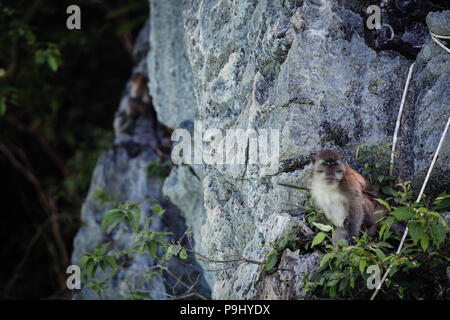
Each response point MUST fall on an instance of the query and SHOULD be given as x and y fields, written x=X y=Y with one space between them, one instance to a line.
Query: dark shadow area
x=59 y=90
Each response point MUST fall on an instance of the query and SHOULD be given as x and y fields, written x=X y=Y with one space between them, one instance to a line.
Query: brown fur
x=140 y=100
x=361 y=195
x=357 y=190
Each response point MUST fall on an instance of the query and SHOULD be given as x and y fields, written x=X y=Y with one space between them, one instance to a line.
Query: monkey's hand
x=351 y=240
x=354 y=222
x=340 y=236
x=348 y=236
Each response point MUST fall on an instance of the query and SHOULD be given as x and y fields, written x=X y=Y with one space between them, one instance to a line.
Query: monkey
x=345 y=196
x=140 y=100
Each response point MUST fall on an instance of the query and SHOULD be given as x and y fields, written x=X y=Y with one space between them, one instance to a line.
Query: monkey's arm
x=355 y=219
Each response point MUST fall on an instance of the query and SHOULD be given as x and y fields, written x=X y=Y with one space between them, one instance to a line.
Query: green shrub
x=144 y=242
x=418 y=271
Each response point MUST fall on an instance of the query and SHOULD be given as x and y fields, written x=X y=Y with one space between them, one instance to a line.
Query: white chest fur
x=331 y=200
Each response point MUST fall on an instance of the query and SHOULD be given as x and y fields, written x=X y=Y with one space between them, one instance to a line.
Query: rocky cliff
x=309 y=71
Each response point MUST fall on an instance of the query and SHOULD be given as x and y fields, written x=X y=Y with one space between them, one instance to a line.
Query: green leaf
x=152 y=249
x=424 y=240
x=83 y=260
x=322 y=227
x=415 y=230
x=325 y=259
x=271 y=260
x=342 y=242
x=90 y=266
x=52 y=63
x=403 y=213
x=168 y=253
x=135 y=219
x=342 y=285
x=2 y=106
x=39 y=57
x=362 y=265
x=103 y=266
x=318 y=239
x=183 y=254
x=146 y=200
x=384 y=245
x=99 y=194
x=384 y=203
x=111 y=262
x=283 y=243
x=382 y=229
x=389 y=221
x=333 y=291
x=156 y=208
x=437 y=215
x=441 y=204
x=439 y=232
x=380 y=254
x=142 y=294
x=388 y=190
x=102 y=249
x=111 y=219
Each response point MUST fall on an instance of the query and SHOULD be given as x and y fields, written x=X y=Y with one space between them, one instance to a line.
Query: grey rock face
x=430 y=98
x=439 y=22
x=121 y=173
x=172 y=89
x=301 y=67
x=286 y=282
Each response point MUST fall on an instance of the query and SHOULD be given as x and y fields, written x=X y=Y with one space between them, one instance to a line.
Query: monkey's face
x=330 y=170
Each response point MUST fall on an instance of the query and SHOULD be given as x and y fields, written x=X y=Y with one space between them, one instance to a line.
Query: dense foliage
x=345 y=271
x=419 y=270
x=59 y=90
x=154 y=243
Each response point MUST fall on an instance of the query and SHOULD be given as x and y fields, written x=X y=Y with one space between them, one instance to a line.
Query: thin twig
x=399 y=116
x=239 y=259
x=184 y=284
x=436 y=38
x=126 y=38
x=30 y=246
x=45 y=144
x=46 y=202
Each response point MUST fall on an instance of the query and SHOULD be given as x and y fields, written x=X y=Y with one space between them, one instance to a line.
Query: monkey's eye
x=320 y=171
